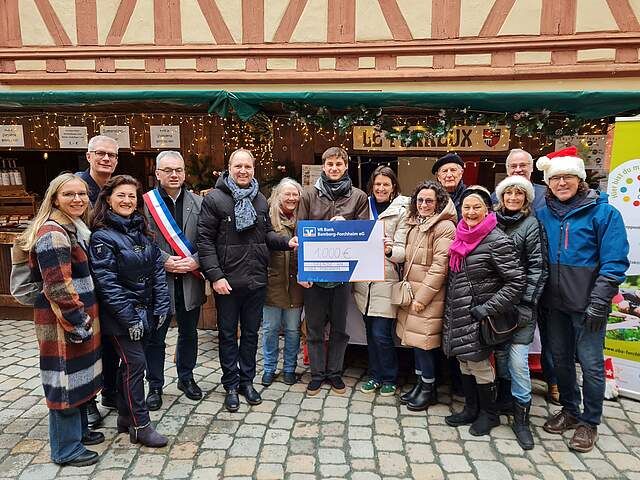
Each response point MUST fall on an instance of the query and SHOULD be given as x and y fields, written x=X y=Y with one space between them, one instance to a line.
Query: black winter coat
x=129 y=275
x=498 y=280
x=530 y=241
x=240 y=257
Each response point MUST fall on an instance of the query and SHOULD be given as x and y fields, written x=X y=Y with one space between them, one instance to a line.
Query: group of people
x=118 y=265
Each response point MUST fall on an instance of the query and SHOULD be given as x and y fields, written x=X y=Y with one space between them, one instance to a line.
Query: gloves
x=81 y=333
x=161 y=320
x=136 y=331
x=525 y=314
x=479 y=312
x=596 y=316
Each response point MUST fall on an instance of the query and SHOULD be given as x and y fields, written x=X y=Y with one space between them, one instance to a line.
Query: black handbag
x=493 y=330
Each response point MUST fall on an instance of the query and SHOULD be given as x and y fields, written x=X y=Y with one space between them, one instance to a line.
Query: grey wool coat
x=193 y=287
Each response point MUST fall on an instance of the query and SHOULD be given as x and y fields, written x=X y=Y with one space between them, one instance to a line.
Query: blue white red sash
x=374 y=210
x=167 y=225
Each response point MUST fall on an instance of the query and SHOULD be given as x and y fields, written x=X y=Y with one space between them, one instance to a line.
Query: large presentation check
x=341 y=251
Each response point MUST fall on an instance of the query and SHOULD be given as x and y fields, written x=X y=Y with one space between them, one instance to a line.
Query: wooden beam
x=445 y=23
x=624 y=15
x=10 y=33
x=496 y=18
x=86 y=22
x=395 y=20
x=167 y=26
x=626 y=55
x=503 y=59
x=289 y=21
x=386 y=62
x=252 y=21
x=155 y=65
x=558 y=17
x=206 y=64
x=478 y=73
x=216 y=23
x=341 y=21
x=120 y=22
x=308 y=64
x=52 y=22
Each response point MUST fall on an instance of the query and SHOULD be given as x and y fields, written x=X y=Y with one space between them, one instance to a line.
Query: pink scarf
x=467 y=239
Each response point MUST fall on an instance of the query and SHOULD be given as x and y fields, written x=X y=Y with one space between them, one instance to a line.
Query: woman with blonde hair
x=283 y=304
x=66 y=317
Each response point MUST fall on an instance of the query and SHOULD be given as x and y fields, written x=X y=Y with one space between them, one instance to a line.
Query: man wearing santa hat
x=588 y=251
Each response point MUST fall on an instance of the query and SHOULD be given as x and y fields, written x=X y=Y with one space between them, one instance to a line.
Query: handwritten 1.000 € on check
x=341 y=251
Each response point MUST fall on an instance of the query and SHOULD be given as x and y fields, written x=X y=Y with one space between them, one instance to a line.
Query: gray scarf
x=334 y=189
x=243 y=207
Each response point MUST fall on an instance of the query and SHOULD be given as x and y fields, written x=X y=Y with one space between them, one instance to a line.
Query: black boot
x=407 y=397
x=93 y=414
x=505 y=401
x=521 y=426
x=427 y=395
x=488 y=416
x=470 y=411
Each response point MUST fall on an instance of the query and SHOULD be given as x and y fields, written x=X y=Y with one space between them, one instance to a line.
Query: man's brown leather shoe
x=560 y=423
x=584 y=439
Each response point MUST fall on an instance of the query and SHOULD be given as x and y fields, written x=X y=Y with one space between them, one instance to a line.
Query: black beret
x=486 y=198
x=448 y=158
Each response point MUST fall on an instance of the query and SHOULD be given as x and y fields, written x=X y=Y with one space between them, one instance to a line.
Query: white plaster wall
x=370 y=22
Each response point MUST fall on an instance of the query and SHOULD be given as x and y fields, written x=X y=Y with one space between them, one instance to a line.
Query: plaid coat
x=71 y=372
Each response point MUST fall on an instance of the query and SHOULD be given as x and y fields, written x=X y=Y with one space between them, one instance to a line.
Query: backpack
x=23 y=287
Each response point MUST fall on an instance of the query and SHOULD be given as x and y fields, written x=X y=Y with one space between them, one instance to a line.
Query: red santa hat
x=565 y=161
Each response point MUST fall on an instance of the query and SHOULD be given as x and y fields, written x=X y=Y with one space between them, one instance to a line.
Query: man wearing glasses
x=102 y=156
x=173 y=214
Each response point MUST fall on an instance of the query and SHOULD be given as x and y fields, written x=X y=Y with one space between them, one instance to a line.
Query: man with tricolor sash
x=173 y=216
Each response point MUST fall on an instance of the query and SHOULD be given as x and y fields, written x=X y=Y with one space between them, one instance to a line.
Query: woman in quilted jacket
x=422 y=242
x=485 y=281
x=132 y=290
x=515 y=196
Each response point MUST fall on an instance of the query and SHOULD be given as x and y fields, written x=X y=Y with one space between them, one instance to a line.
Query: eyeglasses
x=426 y=201
x=72 y=195
x=564 y=178
x=102 y=153
x=171 y=171
x=519 y=166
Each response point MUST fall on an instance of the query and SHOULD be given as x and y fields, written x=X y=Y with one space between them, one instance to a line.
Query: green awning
x=585 y=104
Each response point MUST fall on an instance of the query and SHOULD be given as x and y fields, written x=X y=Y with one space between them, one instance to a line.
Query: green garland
x=434 y=124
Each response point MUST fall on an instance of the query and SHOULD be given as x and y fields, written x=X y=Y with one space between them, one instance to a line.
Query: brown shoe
x=553 y=394
x=560 y=423
x=584 y=439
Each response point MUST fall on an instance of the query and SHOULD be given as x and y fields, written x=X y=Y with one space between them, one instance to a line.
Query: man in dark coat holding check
x=173 y=216
x=333 y=197
x=234 y=239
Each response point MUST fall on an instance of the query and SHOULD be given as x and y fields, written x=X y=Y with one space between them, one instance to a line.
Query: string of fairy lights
x=260 y=134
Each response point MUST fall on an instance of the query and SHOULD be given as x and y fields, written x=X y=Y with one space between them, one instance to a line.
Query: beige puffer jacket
x=428 y=275
x=373 y=298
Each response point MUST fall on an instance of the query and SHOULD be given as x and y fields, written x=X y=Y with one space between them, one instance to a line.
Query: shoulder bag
x=401 y=292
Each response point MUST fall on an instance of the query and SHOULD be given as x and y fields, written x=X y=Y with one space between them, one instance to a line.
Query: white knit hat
x=565 y=161
x=515 y=181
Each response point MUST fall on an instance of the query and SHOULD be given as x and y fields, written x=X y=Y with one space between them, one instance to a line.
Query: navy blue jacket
x=94 y=188
x=588 y=254
x=129 y=275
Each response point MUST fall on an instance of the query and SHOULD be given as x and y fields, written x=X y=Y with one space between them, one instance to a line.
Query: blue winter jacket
x=129 y=275
x=588 y=252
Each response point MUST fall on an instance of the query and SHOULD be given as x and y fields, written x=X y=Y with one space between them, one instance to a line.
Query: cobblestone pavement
x=293 y=436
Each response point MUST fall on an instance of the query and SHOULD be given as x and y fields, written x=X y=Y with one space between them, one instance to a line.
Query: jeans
x=546 y=358
x=381 y=350
x=569 y=339
x=238 y=362
x=512 y=363
x=425 y=364
x=322 y=306
x=186 y=347
x=131 y=402
x=272 y=320
x=65 y=434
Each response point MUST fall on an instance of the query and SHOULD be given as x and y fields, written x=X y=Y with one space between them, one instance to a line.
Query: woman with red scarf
x=485 y=279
